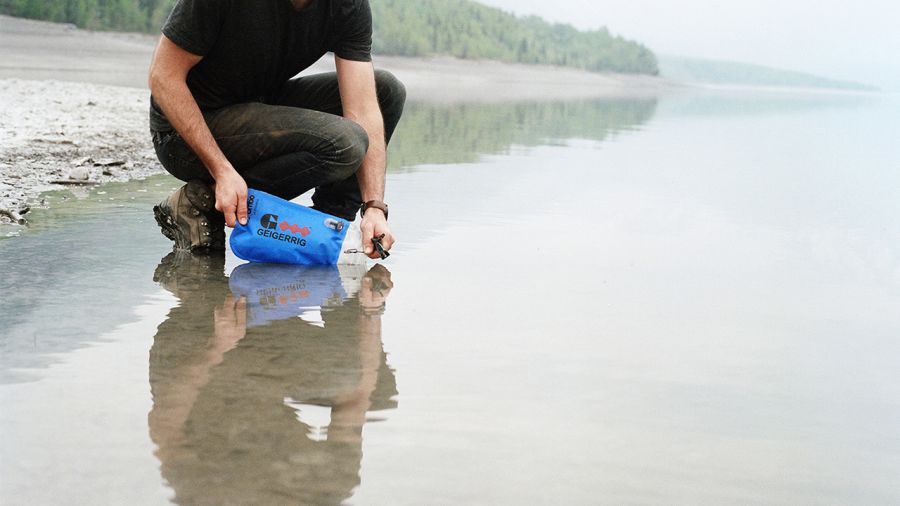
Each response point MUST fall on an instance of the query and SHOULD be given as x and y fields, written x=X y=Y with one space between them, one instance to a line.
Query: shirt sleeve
x=194 y=25
x=355 y=41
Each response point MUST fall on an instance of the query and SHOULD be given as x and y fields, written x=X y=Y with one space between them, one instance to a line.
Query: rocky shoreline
x=56 y=134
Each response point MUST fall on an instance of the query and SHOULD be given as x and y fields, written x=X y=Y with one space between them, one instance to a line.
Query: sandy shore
x=75 y=102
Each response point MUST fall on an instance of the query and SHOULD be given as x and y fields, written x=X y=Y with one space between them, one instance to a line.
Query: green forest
x=466 y=29
x=460 y=28
x=122 y=15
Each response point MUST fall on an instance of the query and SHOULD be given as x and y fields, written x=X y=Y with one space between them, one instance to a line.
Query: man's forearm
x=359 y=99
x=182 y=111
x=371 y=173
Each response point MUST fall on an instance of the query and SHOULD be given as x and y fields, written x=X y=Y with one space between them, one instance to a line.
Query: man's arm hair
x=168 y=84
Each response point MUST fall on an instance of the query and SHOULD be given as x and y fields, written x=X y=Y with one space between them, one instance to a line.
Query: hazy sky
x=835 y=38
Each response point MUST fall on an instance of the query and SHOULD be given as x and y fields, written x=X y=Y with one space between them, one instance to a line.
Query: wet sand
x=75 y=102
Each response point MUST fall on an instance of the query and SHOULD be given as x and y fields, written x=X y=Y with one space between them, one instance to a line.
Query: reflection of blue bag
x=278 y=231
x=281 y=292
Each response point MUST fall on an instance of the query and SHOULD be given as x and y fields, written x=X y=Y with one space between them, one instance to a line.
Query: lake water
x=693 y=299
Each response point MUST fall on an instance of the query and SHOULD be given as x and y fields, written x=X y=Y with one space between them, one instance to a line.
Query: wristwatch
x=377 y=204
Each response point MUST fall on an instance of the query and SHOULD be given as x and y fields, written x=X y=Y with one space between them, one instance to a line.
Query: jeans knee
x=391 y=93
x=351 y=147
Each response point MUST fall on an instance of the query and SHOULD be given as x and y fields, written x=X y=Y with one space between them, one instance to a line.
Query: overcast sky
x=844 y=39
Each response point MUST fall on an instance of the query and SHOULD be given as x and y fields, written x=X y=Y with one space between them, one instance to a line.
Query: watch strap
x=377 y=204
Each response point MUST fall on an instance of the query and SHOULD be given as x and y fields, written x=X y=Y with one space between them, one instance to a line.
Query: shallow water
x=687 y=300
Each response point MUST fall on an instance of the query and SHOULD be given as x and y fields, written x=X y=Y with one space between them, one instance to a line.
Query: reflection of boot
x=189 y=218
x=180 y=272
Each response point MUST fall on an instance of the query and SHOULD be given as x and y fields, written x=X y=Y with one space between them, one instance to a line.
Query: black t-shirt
x=250 y=48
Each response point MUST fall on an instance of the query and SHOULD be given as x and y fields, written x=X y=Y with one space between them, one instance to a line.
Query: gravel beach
x=75 y=103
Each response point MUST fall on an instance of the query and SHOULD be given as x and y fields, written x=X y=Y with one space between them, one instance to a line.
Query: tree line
x=467 y=29
x=460 y=28
x=123 y=15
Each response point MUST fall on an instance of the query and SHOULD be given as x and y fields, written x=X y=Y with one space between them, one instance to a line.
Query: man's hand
x=374 y=224
x=231 y=198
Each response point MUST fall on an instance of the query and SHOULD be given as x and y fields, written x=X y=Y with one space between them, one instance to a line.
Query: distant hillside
x=460 y=28
x=683 y=69
x=467 y=29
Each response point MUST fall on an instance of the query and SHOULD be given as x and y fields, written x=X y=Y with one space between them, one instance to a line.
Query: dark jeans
x=291 y=143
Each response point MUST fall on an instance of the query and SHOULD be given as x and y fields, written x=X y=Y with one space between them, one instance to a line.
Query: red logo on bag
x=285 y=226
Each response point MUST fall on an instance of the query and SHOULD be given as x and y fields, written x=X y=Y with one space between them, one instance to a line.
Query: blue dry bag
x=278 y=231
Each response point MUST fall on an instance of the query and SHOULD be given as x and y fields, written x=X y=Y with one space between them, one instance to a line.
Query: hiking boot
x=189 y=218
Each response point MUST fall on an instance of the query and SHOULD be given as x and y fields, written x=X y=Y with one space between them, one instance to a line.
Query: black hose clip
x=376 y=241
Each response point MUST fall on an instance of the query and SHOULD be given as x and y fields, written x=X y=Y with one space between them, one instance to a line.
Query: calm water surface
x=684 y=300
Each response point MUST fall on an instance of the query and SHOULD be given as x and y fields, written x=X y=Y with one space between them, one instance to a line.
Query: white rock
x=79 y=174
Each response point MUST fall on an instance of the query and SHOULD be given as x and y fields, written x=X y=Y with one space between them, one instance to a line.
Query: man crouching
x=226 y=113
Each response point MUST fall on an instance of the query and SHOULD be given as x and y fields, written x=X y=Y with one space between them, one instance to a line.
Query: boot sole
x=168 y=227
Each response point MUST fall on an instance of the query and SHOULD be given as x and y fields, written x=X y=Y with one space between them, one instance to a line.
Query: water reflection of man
x=230 y=399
